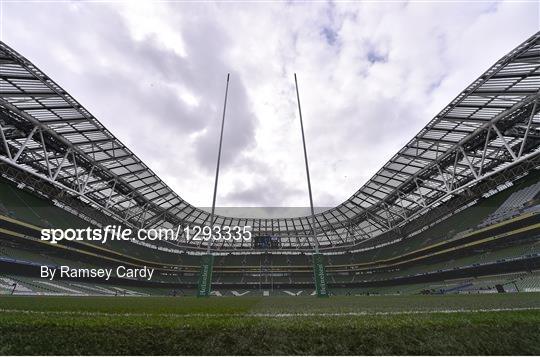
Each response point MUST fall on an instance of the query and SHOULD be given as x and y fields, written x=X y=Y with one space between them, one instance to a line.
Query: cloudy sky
x=371 y=75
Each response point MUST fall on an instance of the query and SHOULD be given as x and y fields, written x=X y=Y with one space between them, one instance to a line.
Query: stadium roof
x=489 y=127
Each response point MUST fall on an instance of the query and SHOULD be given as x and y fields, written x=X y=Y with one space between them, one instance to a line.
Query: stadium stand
x=516 y=203
x=456 y=210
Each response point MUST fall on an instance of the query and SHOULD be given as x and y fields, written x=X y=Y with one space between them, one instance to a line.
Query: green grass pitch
x=452 y=324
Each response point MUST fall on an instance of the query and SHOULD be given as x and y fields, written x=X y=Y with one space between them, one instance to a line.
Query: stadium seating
x=514 y=204
x=27 y=207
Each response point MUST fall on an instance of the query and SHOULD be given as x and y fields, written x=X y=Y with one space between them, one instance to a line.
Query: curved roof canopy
x=490 y=126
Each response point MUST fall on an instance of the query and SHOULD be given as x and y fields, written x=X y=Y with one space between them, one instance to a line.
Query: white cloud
x=371 y=75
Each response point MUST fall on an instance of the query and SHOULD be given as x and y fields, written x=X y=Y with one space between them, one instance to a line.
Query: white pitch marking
x=270 y=315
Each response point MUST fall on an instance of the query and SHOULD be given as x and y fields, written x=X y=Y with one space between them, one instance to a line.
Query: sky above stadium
x=371 y=75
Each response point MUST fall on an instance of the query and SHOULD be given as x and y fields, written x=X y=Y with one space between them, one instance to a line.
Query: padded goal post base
x=205 y=276
x=319 y=271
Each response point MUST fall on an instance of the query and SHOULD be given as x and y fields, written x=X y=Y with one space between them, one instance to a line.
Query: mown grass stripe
x=270 y=315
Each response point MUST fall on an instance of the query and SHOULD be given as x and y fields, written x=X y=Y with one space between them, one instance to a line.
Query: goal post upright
x=319 y=270
x=207 y=261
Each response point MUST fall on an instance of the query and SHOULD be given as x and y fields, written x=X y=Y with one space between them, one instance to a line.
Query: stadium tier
x=457 y=209
x=458 y=246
